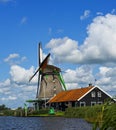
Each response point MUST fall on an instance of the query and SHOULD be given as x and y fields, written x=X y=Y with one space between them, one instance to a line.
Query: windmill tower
x=50 y=81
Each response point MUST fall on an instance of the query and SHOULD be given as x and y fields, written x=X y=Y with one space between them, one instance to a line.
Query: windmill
x=50 y=80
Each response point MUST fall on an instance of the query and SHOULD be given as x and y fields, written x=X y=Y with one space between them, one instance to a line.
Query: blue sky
x=79 y=34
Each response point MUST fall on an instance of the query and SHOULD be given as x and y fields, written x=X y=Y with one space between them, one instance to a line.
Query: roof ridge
x=81 y=88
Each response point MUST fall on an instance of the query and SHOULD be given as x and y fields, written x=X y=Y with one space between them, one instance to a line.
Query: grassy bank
x=102 y=116
x=45 y=112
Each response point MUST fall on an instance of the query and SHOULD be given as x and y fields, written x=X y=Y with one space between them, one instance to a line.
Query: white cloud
x=60 y=31
x=64 y=49
x=23 y=20
x=107 y=78
x=16 y=90
x=5 y=83
x=5 y=87
x=104 y=70
x=98 y=47
x=70 y=76
x=23 y=58
x=11 y=56
x=99 y=13
x=85 y=15
x=14 y=58
x=30 y=89
x=72 y=86
x=113 y=11
x=5 y=90
x=12 y=98
x=19 y=74
x=82 y=76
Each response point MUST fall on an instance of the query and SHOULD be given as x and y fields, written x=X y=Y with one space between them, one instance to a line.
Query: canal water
x=43 y=123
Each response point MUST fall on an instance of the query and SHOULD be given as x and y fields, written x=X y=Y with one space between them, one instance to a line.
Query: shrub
x=76 y=112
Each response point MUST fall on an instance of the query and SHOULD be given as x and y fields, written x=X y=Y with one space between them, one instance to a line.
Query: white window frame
x=100 y=102
x=99 y=93
x=84 y=104
x=93 y=103
x=93 y=94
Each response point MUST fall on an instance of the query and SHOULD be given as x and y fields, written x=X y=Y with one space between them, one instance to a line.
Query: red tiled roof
x=70 y=95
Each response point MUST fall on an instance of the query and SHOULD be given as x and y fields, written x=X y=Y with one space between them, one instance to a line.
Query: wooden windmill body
x=50 y=84
x=50 y=81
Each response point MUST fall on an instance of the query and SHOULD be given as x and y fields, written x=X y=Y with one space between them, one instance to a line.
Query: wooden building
x=87 y=96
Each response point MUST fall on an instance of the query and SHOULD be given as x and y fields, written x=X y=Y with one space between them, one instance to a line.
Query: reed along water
x=43 y=123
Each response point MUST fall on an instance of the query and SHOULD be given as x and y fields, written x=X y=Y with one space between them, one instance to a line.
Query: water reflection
x=43 y=123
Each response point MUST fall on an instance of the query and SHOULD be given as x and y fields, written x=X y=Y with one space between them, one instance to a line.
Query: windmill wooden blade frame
x=41 y=67
x=40 y=54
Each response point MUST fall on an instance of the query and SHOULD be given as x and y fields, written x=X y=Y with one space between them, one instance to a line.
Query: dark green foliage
x=41 y=111
x=8 y=112
x=102 y=116
x=106 y=119
x=5 y=111
x=92 y=112
x=109 y=118
x=3 y=107
x=75 y=112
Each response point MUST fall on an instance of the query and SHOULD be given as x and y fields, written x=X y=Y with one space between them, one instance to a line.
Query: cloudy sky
x=79 y=34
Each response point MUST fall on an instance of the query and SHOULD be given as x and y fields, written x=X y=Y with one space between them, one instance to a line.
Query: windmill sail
x=39 y=62
x=41 y=67
x=38 y=85
x=40 y=54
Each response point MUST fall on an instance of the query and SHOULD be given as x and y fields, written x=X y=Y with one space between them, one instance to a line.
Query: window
x=69 y=104
x=82 y=104
x=76 y=104
x=99 y=94
x=93 y=103
x=100 y=102
x=93 y=94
